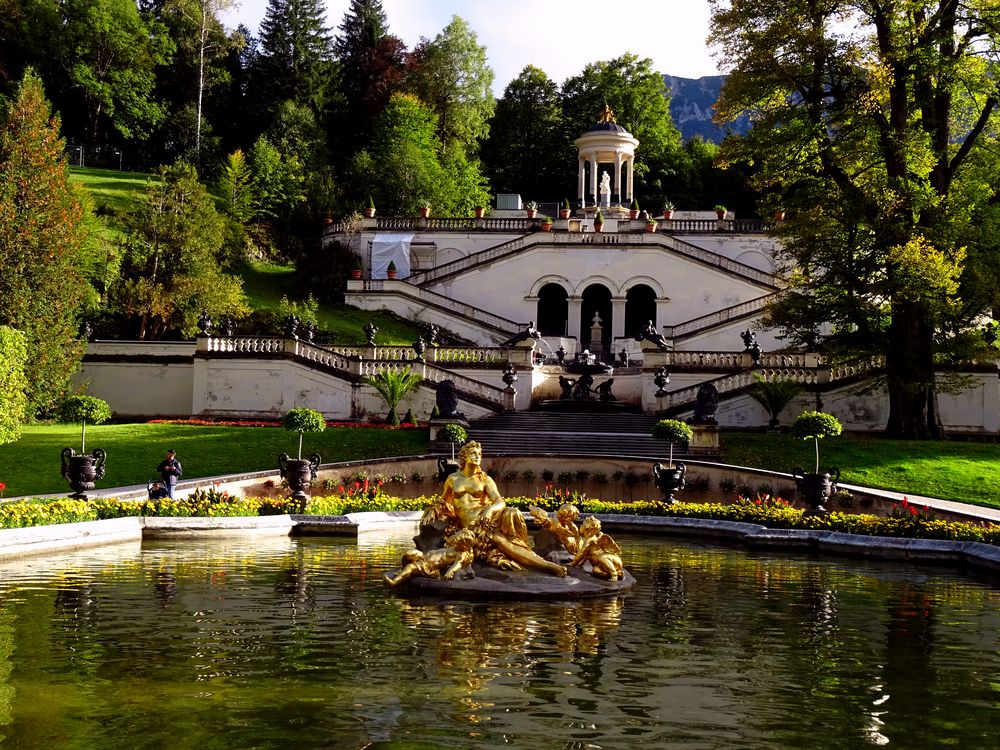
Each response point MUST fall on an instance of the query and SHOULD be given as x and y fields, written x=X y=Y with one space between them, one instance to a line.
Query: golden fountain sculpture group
x=479 y=526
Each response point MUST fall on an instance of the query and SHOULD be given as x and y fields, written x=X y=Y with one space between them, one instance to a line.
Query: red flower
x=2 y=486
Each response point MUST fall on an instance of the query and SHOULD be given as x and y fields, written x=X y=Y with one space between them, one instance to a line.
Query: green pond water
x=296 y=643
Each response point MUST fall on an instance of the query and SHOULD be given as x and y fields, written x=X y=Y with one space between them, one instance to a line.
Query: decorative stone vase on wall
x=564 y=213
x=355 y=273
x=669 y=479
x=369 y=213
x=299 y=472
x=815 y=489
x=82 y=471
x=425 y=212
x=668 y=214
x=480 y=211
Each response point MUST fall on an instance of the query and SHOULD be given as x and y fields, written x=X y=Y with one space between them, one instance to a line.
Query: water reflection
x=298 y=642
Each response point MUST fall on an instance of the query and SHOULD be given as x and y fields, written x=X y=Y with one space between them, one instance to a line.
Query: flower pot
x=651 y=227
x=531 y=212
x=779 y=215
x=547 y=226
x=668 y=215
x=564 y=213
x=327 y=221
x=633 y=214
x=598 y=226
x=355 y=273
x=669 y=479
x=299 y=472
x=391 y=274
x=425 y=212
x=721 y=214
x=480 y=211
x=82 y=471
x=815 y=489
x=369 y=213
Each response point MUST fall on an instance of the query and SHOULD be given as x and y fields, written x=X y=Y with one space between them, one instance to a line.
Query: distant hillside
x=691 y=101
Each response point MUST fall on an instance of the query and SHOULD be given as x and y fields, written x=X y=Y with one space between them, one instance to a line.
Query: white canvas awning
x=394 y=248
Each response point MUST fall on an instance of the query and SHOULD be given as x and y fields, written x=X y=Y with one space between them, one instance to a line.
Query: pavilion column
x=574 y=308
x=618 y=318
x=618 y=177
x=581 y=182
x=593 y=179
x=631 y=184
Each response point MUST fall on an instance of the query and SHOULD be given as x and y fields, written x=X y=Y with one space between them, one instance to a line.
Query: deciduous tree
x=875 y=128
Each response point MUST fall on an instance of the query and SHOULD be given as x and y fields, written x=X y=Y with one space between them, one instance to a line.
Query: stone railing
x=740 y=310
x=446 y=269
x=489 y=393
x=407 y=289
x=242 y=344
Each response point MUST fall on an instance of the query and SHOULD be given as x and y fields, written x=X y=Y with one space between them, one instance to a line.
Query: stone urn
x=300 y=473
x=446 y=468
x=82 y=471
x=669 y=479
x=815 y=489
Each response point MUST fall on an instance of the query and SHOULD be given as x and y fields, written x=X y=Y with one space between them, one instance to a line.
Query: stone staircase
x=570 y=433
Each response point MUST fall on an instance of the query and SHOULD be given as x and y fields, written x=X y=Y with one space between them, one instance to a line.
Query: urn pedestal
x=815 y=489
x=82 y=471
x=299 y=472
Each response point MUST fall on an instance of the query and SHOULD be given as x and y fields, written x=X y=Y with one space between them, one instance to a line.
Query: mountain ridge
x=691 y=106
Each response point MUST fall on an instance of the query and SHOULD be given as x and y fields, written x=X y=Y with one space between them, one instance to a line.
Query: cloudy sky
x=558 y=36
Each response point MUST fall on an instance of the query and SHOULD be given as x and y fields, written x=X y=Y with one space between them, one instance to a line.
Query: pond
x=274 y=643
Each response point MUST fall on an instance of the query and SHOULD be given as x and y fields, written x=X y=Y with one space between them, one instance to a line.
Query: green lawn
x=31 y=465
x=111 y=188
x=952 y=470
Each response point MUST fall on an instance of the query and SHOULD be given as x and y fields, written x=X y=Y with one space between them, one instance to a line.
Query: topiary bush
x=672 y=431
x=303 y=420
x=813 y=425
x=83 y=409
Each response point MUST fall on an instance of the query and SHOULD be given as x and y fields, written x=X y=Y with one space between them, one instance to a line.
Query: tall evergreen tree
x=43 y=237
x=371 y=69
x=295 y=56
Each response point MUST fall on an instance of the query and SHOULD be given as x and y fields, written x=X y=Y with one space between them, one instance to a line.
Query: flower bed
x=277 y=423
x=906 y=520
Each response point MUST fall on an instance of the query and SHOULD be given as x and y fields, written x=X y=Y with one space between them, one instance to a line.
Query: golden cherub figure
x=455 y=555
x=600 y=550
x=562 y=527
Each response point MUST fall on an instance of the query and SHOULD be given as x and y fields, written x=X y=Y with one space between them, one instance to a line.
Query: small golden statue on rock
x=472 y=543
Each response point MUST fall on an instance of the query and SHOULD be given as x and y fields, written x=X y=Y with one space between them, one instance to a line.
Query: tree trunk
x=910 y=374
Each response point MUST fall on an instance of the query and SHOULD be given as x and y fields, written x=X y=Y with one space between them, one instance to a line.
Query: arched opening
x=553 y=310
x=596 y=300
x=640 y=308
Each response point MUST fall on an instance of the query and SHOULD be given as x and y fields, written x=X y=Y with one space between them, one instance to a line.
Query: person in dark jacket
x=170 y=471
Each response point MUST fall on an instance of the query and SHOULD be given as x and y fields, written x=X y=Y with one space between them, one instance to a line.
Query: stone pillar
x=596 y=336
x=705 y=441
x=631 y=187
x=574 y=309
x=618 y=319
x=618 y=176
x=582 y=181
x=593 y=178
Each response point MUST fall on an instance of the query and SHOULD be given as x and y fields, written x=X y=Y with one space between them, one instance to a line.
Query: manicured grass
x=266 y=283
x=32 y=465
x=120 y=191
x=951 y=470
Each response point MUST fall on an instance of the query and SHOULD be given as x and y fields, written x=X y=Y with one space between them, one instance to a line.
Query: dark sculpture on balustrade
x=706 y=404
x=530 y=332
x=623 y=357
x=292 y=327
x=419 y=347
x=432 y=334
x=309 y=332
x=85 y=330
x=661 y=380
x=560 y=354
x=204 y=323
x=509 y=376
x=447 y=400
x=751 y=345
x=649 y=333
x=226 y=327
x=370 y=330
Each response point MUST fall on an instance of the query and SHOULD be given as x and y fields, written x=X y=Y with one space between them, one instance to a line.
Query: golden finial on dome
x=607 y=114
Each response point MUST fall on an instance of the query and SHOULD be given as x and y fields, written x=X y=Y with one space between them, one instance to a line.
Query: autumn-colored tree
x=43 y=237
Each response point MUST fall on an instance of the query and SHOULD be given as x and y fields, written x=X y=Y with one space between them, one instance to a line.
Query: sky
x=558 y=36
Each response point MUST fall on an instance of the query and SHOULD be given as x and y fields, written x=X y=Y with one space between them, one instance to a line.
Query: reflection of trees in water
x=476 y=640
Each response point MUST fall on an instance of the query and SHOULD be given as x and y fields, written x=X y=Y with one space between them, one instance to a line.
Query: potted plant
x=479 y=211
x=531 y=208
x=455 y=434
x=720 y=211
x=81 y=470
x=546 y=223
x=650 y=224
x=301 y=472
x=425 y=209
x=355 y=267
x=634 y=211
x=814 y=487
x=779 y=214
x=773 y=395
x=670 y=478
x=668 y=210
x=598 y=221
x=565 y=211
x=370 y=210
x=390 y=270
